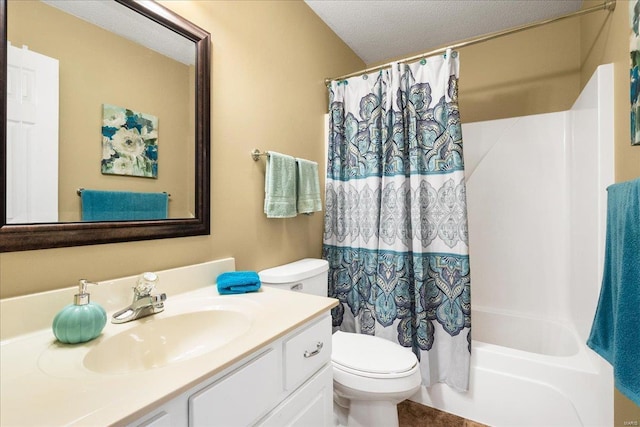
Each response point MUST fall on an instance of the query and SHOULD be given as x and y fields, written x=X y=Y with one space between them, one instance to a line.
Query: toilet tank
x=307 y=275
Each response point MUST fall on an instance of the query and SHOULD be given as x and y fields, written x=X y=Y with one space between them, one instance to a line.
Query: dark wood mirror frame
x=23 y=237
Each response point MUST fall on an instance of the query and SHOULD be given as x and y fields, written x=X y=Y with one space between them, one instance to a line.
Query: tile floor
x=412 y=414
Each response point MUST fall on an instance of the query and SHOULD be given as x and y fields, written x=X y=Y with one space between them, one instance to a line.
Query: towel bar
x=256 y=154
x=79 y=192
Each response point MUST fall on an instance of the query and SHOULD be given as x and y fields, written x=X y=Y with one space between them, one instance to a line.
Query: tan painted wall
x=531 y=72
x=626 y=413
x=544 y=69
x=269 y=63
x=116 y=74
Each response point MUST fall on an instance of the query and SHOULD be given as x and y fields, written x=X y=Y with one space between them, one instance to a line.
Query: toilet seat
x=370 y=356
x=390 y=376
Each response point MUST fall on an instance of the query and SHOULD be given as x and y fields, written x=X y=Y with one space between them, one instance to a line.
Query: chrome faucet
x=144 y=304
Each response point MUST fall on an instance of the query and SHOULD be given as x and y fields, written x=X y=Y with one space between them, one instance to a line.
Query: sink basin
x=162 y=341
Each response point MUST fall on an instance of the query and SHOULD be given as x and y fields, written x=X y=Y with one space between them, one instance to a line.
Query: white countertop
x=43 y=382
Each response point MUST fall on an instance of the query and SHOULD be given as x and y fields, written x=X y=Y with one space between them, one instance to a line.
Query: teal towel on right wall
x=308 y=187
x=615 y=333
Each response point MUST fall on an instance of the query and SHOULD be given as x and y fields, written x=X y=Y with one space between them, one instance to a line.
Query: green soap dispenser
x=81 y=321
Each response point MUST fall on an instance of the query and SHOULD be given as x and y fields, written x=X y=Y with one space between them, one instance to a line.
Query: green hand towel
x=280 y=186
x=308 y=187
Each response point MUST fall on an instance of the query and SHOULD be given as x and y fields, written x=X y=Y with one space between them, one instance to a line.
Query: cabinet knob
x=308 y=353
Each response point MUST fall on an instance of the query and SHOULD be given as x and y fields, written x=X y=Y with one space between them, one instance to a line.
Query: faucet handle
x=146 y=284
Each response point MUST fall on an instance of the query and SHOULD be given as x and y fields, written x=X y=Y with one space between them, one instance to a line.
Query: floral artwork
x=634 y=49
x=129 y=142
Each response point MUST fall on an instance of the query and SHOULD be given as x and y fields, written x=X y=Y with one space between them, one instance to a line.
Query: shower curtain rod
x=608 y=5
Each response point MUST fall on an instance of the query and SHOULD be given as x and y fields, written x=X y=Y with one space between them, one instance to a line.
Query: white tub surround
x=536 y=192
x=46 y=383
x=512 y=378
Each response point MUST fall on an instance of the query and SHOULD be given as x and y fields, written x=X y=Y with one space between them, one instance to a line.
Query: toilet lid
x=366 y=353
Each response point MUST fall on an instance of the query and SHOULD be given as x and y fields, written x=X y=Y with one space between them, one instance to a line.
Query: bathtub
x=528 y=371
x=536 y=203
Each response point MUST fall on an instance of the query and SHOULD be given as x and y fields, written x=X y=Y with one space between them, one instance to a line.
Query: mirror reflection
x=100 y=102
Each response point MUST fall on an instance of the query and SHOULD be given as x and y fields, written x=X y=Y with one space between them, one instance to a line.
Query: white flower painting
x=129 y=142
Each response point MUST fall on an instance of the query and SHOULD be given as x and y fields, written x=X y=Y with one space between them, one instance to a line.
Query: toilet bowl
x=371 y=375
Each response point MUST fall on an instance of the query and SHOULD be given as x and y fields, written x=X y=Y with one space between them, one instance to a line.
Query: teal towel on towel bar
x=308 y=187
x=238 y=282
x=280 y=186
x=615 y=333
x=98 y=205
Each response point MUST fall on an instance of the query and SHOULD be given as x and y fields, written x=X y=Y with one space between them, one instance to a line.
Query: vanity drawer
x=306 y=352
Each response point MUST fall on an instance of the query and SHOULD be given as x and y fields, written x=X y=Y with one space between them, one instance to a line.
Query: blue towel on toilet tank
x=238 y=282
x=615 y=333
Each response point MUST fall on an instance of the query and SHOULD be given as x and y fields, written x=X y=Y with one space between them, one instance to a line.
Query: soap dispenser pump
x=81 y=321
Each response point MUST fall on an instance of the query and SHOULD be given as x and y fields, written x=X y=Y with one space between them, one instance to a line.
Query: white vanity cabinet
x=286 y=383
x=198 y=375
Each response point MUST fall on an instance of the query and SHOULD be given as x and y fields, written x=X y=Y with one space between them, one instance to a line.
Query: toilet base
x=340 y=413
x=372 y=414
x=365 y=413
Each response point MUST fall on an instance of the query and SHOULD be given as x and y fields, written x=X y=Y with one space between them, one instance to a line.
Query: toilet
x=371 y=375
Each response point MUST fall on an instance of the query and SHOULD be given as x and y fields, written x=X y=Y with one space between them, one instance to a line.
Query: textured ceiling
x=121 y=20
x=381 y=30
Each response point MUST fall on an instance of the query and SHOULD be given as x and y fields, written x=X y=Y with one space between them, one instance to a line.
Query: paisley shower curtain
x=396 y=223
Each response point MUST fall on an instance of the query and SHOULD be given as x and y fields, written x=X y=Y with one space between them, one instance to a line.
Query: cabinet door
x=241 y=397
x=309 y=406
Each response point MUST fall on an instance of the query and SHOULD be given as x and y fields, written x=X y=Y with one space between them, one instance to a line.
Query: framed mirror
x=127 y=126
